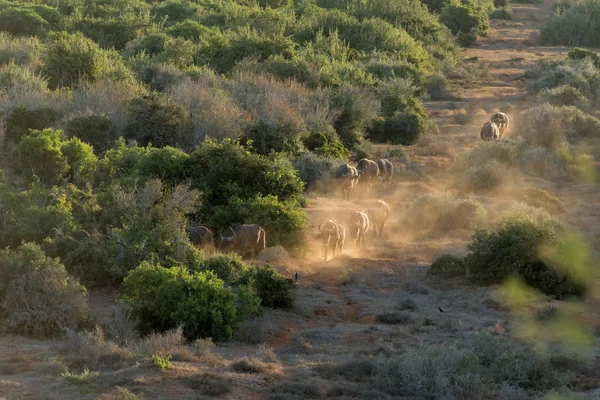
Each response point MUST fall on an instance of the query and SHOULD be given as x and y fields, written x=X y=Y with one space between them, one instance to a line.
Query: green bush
x=464 y=20
x=38 y=297
x=150 y=45
x=403 y=128
x=22 y=22
x=114 y=32
x=313 y=168
x=501 y=13
x=95 y=129
x=160 y=361
x=513 y=248
x=190 y=30
x=484 y=178
x=580 y=54
x=576 y=26
x=563 y=95
x=40 y=154
x=176 y=10
x=283 y=221
x=274 y=289
x=165 y=298
x=228 y=267
x=325 y=142
x=358 y=110
x=448 y=265
x=266 y=137
x=20 y=50
x=540 y=198
x=21 y=119
x=152 y=118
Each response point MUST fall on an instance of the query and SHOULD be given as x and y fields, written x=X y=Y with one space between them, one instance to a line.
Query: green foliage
x=95 y=129
x=279 y=137
x=484 y=178
x=501 y=13
x=190 y=30
x=150 y=45
x=325 y=142
x=228 y=267
x=274 y=289
x=403 y=128
x=563 y=95
x=40 y=154
x=282 y=221
x=38 y=297
x=176 y=10
x=576 y=26
x=313 y=168
x=22 y=22
x=20 y=50
x=540 y=198
x=152 y=118
x=70 y=59
x=579 y=54
x=21 y=119
x=464 y=20
x=448 y=265
x=513 y=248
x=160 y=361
x=358 y=108
x=164 y=298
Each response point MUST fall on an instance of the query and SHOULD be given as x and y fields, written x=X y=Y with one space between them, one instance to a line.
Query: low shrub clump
x=513 y=248
x=448 y=265
x=576 y=26
x=484 y=178
x=274 y=289
x=443 y=214
x=540 y=198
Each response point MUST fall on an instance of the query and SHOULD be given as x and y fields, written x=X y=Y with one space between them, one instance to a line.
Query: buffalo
x=386 y=170
x=368 y=170
x=333 y=235
x=500 y=119
x=347 y=177
x=246 y=239
x=489 y=131
x=358 y=225
x=201 y=236
x=379 y=214
x=80 y=235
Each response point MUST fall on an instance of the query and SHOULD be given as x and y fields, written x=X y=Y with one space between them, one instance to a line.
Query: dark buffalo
x=501 y=120
x=202 y=237
x=489 y=131
x=347 y=176
x=386 y=170
x=333 y=235
x=358 y=225
x=378 y=215
x=246 y=239
x=368 y=170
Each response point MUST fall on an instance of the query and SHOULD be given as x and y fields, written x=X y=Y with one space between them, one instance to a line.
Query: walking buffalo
x=386 y=170
x=333 y=235
x=489 y=131
x=358 y=225
x=347 y=176
x=368 y=170
x=501 y=120
x=378 y=215
x=201 y=236
x=246 y=239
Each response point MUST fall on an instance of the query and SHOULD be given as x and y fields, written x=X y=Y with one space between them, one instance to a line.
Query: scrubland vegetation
x=123 y=122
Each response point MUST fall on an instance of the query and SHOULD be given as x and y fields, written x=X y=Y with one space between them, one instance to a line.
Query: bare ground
x=341 y=301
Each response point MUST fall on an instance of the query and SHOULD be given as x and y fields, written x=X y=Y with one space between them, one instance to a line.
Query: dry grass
x=168 y=343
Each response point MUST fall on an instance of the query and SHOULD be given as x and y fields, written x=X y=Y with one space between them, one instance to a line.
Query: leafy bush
x=38 y=297
x=313 y=168
x=325 y=142
x=576 y=26
x=403 y=128
x=19 y=50
x=40 y=154
x=442 y=213
x=358 y=109
x=363 y=150
x=21 y=119
x=540 y=198
x=150 y=45
x=580 y=54
x=22 y=22
x=283 y=221
x=228 y=267
x=437 y=88
x=164 y=298
x=501 y=13
x=160 y=361
x=464 y=20
x=266 y=137
x=563 y=95
x=448 y=265
x=274 y=289
x=487 y=177
x=513 y=248
x=97 y=130
x=190 y=30
x=151 y=118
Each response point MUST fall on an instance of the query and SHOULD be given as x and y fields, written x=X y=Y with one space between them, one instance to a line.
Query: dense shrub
x=228 y=267
x=483 y=178
x=266 y=137
x=114 y=32
x=22 y=22
x=540 y=198
x=152 y=118
x=403 y=128
x=563 y=95
x=20 y=50
x=38 y=297
x=188 y=29
x=442 y=214
x=313 y=169
x=576 y=26
x=580 y=54
x=274 y=289
x=282 y=220
x=164 y=298
x=448 y=265
x=501 y=13
x=358 y=110
x=464 y=20
x=40 y=154
x=21 y=119
x=176 y=10
x=325 y=142
x=96 y=129
x=513 y=248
